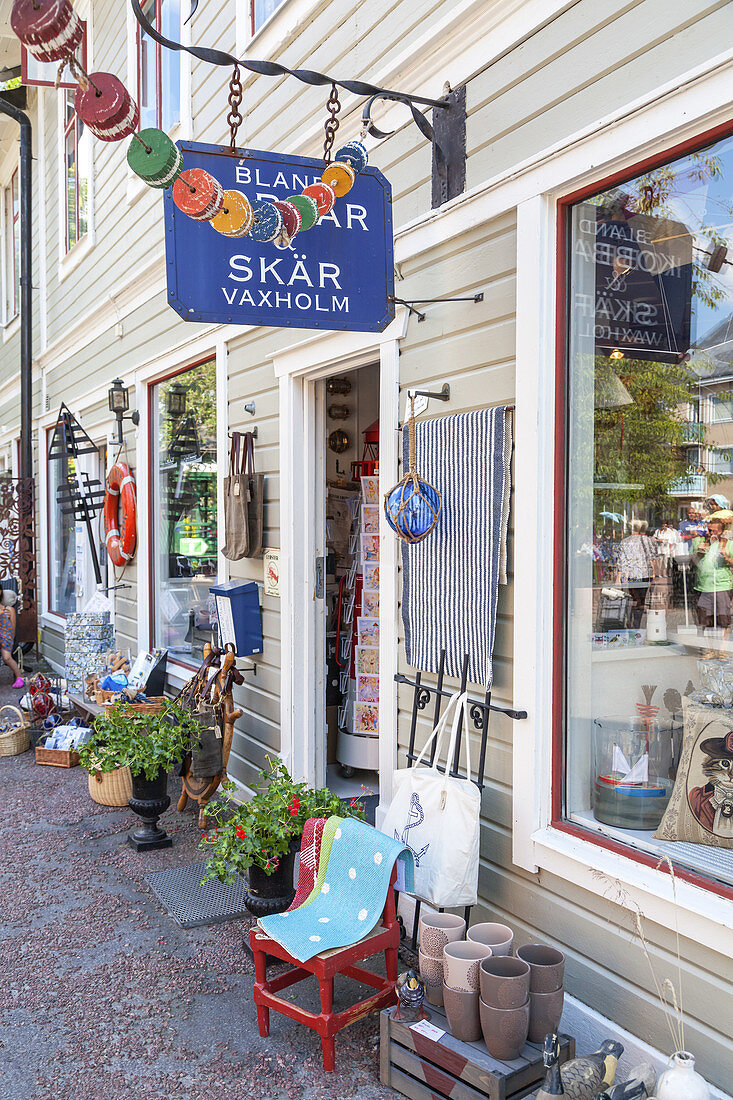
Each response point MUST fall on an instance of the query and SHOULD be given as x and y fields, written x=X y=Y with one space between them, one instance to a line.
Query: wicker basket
x=16 y=740
x=57 y=758
x=155 y=706
x=111 y=788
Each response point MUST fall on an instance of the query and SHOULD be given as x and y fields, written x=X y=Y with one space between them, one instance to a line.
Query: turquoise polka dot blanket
x=352 y=894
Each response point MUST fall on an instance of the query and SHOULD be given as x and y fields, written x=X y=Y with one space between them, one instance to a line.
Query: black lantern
x=119 y=402
x=175 y=401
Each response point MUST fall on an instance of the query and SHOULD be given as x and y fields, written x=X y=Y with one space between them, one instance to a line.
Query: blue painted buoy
x=267 y=221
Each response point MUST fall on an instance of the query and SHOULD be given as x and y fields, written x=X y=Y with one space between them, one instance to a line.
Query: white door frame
x=297 y=369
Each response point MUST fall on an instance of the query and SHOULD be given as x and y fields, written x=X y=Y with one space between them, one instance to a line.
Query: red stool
x=384 y=937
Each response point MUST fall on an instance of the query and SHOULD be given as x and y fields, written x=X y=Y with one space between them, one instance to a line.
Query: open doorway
x=351 y=606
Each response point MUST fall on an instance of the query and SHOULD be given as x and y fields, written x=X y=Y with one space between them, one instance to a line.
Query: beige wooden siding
x=591 y=60
x=587 y=63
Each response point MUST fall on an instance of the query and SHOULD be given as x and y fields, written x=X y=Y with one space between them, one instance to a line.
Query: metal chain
x=234 y=118
x=332 y=124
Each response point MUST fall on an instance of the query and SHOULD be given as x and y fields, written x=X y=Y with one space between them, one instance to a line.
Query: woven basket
x=155 y=706
x=111 y=788
x=18 y=739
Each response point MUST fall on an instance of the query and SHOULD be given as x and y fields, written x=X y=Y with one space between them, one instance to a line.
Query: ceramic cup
x=461 y=1008
x=431 y=972
x=546 y=967
x=504 y=1030
x=499 y=937
x=461 y=962
x=545 y=1011
x=504 y=981
x=439 y=929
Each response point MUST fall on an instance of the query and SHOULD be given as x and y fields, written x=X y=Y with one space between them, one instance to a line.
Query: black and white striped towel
x=450 y=580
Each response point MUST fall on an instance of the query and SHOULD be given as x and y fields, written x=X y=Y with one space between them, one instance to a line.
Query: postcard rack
x=478 y=712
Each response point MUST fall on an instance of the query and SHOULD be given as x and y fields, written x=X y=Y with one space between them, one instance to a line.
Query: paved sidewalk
x=103 y=996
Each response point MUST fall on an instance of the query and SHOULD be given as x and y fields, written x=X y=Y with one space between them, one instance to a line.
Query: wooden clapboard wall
x=589 y=59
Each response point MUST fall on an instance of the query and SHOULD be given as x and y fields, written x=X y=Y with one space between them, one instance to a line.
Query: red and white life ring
x=120 y=540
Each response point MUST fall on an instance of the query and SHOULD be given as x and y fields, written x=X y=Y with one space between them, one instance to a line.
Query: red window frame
x=51 y=67
x=152 y=514
x=156 y=19
x=12 y=221
x=252 y=28
x=560 y=594
x=71 y=125
x=152 y=44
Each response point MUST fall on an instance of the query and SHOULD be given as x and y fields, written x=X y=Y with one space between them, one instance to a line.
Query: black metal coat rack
x=479 y=711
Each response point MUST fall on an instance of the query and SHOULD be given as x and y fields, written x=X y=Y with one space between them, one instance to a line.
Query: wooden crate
x=56 y=758
x=426 y=1069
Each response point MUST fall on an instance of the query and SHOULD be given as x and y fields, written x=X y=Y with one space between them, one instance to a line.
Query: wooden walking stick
x=202 y=790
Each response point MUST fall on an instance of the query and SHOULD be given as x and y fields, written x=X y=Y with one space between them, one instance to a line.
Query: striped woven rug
x=450 y=580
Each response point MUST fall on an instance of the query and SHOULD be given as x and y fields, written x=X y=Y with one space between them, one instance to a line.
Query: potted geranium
x=150 y=745
x=262 y=835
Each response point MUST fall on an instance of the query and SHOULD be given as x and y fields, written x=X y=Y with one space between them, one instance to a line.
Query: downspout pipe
x=26 y=306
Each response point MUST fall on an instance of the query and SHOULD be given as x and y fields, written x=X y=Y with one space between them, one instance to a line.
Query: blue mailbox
x=239 y=616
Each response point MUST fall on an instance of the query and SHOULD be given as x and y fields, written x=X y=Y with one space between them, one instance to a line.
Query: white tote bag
x=437 y=816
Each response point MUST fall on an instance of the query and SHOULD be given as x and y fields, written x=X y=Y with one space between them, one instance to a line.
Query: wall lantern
x=119 y=402
x=175 y=401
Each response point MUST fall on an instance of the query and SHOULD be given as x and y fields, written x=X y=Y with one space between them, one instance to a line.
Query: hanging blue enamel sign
x=337 y=275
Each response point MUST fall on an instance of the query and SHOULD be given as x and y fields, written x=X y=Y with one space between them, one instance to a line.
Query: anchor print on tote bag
x=415 y=817
x=437 y=816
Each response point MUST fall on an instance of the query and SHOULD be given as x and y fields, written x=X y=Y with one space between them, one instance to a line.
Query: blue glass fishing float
x=413 y=506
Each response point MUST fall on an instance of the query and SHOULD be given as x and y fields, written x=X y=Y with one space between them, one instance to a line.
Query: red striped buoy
x=107 y=107
x=49 y=29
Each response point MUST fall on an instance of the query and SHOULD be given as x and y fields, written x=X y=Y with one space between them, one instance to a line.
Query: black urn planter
x=149 y=800
x=273 y=893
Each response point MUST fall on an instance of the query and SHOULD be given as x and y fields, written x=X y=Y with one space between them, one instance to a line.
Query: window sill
x=701 y=859
x=69 y=261
x=11 y=328
x=53 y=620
x=698 y=913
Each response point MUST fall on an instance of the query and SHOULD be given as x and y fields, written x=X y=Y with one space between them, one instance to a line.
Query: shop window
x=62 y=559
x=260 y=12
x=76 y=173
x=184 y=496
x=11 y=257
x=648 y=563
x=159 y=69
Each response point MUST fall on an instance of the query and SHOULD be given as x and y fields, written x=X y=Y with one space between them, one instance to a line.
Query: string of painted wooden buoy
x=52 y=31
x=156 y=160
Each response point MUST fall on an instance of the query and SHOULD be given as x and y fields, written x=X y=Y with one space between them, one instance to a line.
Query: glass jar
x=633 y=769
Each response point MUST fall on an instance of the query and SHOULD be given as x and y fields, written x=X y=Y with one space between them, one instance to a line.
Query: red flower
x=294 y=806
x=241 y=833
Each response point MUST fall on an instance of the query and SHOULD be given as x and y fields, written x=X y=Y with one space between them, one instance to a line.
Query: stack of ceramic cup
x=436 y=931
x=546 y=991
x=504 y=986
x=461 y=963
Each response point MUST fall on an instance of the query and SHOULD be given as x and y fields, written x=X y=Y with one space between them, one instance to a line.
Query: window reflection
x=650 y=481
x=185 y=499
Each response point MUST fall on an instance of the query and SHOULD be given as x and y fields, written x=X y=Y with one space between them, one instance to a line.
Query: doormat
x=192 y=903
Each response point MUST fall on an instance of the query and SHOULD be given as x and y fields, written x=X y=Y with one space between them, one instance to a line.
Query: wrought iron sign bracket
x=430 y=301
x=447 y=135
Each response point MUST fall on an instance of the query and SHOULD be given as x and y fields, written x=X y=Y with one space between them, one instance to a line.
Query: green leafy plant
x=144 y=743
x=260 y=832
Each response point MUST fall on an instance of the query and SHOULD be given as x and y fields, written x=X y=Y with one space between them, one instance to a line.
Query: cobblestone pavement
x=103 y=996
